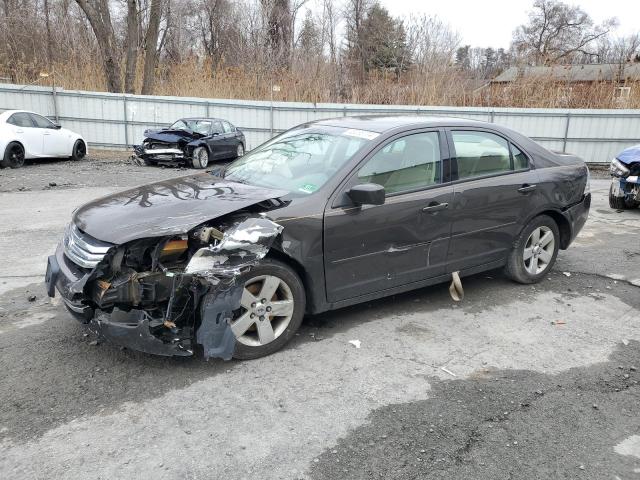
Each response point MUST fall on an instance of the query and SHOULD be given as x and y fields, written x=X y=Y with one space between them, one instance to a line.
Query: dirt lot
x=515 y=382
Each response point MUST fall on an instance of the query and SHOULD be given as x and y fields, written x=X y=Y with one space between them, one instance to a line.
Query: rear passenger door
x=494 y=191
x=371 y=248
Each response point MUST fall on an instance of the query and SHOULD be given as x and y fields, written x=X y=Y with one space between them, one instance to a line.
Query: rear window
x=480 y=153
x=20 y=120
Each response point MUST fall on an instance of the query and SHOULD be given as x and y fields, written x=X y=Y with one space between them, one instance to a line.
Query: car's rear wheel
x=200 y=157
x=240 y=150
x=271 y=311
x=534 y=251
x=13 y=156
x=619 y=202
x=79 y=150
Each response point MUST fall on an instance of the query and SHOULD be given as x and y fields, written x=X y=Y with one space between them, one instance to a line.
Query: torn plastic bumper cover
x=208 y=286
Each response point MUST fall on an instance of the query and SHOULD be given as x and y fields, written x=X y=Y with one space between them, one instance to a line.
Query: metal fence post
x=126 y=125
x=566 y=133
x=55 y=102
x=492 y=115
x=208 y=115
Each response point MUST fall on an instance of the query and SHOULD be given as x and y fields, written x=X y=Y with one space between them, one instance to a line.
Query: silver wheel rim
x=266 y=311
x=240 y=150
x=202 y=156
x=538 y=251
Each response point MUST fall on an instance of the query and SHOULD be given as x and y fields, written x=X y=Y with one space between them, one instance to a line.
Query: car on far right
x=624 y=191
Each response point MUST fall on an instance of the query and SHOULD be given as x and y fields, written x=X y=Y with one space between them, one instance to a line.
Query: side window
x=216 y=128
x=20 y=120
x=520 y=160
x=408 y=163
x=41 y=122
x=480 y=153
x=227 y=127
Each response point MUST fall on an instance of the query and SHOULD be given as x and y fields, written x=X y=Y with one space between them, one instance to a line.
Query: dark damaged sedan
x=328 y=214
x=194 y=142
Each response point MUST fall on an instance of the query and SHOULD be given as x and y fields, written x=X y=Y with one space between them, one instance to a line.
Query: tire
x=620 y=203
x=200 y=157
x=240 y=150
x=13 y=156
x=532 y=266
x=250 y=344
x=79 y=150
x=148 y=162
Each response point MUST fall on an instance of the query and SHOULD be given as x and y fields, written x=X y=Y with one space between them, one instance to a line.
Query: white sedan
x=25 y=135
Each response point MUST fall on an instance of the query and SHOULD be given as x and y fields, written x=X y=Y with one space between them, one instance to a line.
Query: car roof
x=7 y=113
x=202 y=118
x=383 y=123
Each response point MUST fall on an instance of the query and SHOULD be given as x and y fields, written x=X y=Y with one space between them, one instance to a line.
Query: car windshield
x=199 y=126
x=300 y=160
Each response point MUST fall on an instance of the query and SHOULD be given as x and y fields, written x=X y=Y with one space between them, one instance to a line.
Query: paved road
x=538 y=381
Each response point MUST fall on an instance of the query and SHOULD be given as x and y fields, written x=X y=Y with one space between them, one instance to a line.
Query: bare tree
x=151 y=47
x=558 y=32
x=99 y=16
x=131 y=45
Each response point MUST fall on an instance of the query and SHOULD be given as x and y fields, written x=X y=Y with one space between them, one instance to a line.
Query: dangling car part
x=191 y=142
x=624 y=191
x=326 y=215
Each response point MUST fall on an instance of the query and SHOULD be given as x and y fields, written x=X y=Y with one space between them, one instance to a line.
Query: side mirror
x=367 y=194
x=57 y=126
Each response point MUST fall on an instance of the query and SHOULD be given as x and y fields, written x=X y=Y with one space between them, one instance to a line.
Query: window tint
x=480 y=153
x=41 y=122
x=520 y=160
x=408 y=163
x=228 y=128
x=216 y=128
x=20 y=120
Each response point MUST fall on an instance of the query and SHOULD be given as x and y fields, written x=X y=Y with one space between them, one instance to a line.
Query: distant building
x=623 y=78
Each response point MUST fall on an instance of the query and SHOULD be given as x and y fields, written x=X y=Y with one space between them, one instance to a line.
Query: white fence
x=112 y=120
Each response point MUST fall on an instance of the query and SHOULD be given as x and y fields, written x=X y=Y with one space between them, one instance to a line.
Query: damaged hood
x=170 y=207
x=172 y=136
x=630 y=155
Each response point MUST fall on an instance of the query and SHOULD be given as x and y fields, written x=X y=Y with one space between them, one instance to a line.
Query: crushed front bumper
x=159 y=154
x=69 y=280
x=628 y=187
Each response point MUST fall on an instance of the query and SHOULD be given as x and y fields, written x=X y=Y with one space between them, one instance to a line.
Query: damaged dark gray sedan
x=328 y=214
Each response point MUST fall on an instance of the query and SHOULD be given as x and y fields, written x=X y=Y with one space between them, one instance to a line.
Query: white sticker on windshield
x=354 y=132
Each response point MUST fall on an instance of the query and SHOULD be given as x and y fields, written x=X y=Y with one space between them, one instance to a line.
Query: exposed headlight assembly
x=618 y=169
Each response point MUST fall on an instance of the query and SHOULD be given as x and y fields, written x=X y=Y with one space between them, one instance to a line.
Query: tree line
x=320 y=50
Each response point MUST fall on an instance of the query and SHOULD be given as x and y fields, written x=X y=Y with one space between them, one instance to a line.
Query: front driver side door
x=371 y=248
x=55 y=141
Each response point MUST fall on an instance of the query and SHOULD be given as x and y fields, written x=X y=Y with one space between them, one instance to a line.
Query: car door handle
x=19 y=131
x=435 y=207
x=526 y=188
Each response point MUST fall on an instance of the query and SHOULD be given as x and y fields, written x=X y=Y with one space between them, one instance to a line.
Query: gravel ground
x=530 y=382
x=101 y=168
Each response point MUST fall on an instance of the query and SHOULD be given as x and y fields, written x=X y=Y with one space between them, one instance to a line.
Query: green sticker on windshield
x=308 y=188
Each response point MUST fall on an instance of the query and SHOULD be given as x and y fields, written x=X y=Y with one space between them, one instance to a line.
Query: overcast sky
x=490 y=23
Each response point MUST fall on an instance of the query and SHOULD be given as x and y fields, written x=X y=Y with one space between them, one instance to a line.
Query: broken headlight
x=618 y=169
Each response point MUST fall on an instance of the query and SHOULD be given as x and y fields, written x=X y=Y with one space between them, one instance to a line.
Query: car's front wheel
x=13 y=156
x=534 y=251
x=240 y=150
x=79 y=150
x=200 y=157
x=619 y=202
x=271 y=311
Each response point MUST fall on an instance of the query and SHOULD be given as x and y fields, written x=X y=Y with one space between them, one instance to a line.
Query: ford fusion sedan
x=27 y=135
x=194 y=142
x=328 y=214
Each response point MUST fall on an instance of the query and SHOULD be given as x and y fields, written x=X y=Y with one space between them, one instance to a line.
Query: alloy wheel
x=16 y=156
x=539 y=249
x=266 y=310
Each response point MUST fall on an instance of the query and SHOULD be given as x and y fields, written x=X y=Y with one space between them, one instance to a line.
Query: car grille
x=82 y=249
